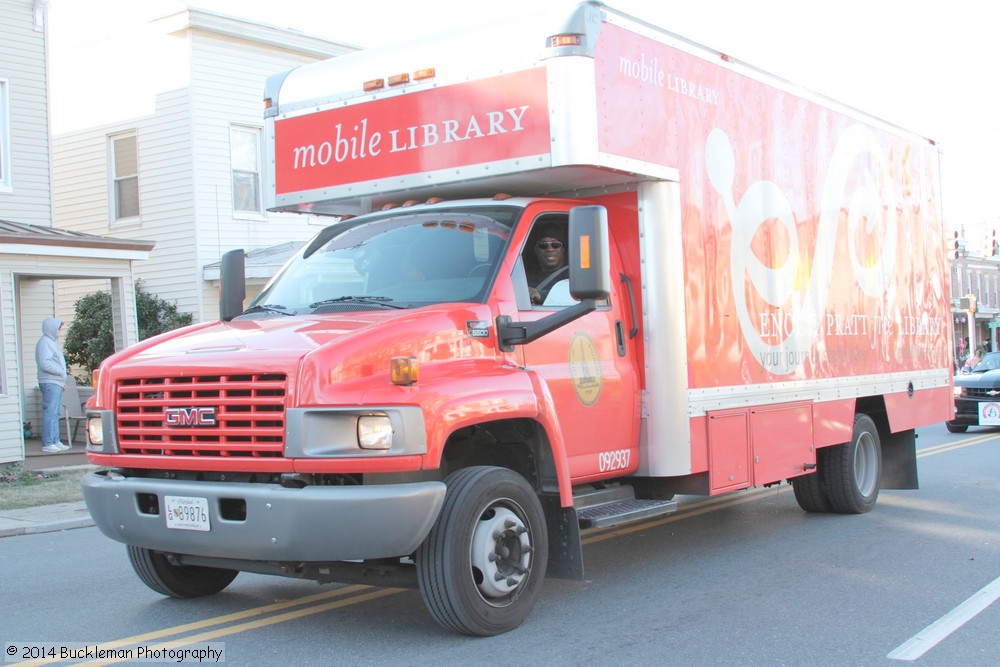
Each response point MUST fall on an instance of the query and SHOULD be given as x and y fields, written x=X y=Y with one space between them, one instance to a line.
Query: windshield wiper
x=367 y=300
x=267 y=308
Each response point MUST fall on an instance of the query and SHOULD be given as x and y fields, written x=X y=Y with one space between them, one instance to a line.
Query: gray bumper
x=315 y=523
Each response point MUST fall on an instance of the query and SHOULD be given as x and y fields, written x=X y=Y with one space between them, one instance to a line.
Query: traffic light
x=952 y=245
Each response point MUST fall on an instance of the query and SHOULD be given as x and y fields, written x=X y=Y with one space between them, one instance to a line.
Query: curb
x=50 y=527
x=45 y=519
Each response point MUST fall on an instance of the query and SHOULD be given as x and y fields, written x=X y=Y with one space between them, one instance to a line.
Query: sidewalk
x=47 y=518
x=44 y=519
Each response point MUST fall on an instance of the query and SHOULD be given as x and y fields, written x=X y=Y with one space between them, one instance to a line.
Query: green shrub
x=90 y=338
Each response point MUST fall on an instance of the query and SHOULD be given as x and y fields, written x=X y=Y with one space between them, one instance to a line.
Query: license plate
x=989 y=413
x=187 y=513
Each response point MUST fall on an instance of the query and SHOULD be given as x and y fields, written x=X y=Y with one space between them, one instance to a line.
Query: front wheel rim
x=500 y=553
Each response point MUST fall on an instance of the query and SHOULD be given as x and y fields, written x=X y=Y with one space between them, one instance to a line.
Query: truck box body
x=788 y=247
x=778 y=299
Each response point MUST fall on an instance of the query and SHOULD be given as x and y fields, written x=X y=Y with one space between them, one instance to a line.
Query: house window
x=244 y=146
x=125 y=176
x=5 y=182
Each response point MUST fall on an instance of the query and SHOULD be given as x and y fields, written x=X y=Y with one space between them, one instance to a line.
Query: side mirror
x=589 y=258
x=233 y=283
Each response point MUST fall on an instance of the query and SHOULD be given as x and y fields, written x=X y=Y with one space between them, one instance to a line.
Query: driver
x=549 y=248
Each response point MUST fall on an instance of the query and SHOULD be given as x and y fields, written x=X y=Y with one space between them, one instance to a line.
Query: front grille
x=982 y=393
x=236 y=415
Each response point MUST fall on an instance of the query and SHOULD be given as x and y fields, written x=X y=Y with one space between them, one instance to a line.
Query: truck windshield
x=395 y=260
x=990 y=362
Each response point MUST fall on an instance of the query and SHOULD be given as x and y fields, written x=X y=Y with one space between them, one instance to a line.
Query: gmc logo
x=189 y=416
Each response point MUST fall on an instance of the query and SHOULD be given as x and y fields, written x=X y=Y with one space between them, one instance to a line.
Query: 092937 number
x=616 y=459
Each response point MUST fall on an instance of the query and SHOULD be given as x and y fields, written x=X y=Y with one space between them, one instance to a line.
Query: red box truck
x=574 y=268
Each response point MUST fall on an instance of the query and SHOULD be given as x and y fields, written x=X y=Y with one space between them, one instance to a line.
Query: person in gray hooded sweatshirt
x=52 y=381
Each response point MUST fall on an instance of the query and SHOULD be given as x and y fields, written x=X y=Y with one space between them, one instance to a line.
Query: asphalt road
x=742 y=579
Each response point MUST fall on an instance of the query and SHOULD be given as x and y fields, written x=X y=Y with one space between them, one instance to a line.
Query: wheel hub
x=501 y=552
x=865 y=469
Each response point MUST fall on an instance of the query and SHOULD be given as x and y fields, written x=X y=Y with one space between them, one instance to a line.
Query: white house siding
x=11 y=447
x=29 y=198
x=22 y=65
x=227 y=81
x=32 y=276
x=185 y=178
x=83 y=195
x=167 y=210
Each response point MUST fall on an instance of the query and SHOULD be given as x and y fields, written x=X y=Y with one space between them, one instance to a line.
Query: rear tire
x=852 y=472
x=810 y=490
x=481 y=568
x=177 y=581
x=956 y=428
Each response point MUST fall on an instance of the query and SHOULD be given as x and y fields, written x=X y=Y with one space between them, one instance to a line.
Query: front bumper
x=966 y=412
x=976 y=411
x=314 y=523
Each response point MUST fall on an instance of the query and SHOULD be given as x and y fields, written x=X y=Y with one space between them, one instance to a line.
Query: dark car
x=977 y=396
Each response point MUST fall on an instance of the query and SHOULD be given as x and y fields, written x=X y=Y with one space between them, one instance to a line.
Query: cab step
x=600 y=508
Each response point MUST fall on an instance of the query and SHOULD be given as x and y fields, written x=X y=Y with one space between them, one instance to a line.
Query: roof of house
x=23 y=234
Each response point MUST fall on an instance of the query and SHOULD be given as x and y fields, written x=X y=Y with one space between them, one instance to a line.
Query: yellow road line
x=260 y=623
x=952 y=446
x=219 y=620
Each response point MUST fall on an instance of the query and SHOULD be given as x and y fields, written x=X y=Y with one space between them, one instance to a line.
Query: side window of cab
x=545 y=263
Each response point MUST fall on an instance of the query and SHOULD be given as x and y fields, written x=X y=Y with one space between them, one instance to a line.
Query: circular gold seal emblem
x=585 y=368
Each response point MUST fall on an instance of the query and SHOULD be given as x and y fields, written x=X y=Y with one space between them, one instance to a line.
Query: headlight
x=95 y=431
x=374 y=432
x=958 y=391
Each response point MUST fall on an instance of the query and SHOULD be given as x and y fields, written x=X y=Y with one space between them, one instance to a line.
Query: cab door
x=588 y=368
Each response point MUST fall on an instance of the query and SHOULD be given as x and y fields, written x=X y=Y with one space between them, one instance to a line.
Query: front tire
x=177 y=581
x=481 y=568
x=853 y=470
x=956 y=428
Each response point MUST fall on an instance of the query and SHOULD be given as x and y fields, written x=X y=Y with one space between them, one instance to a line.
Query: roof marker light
x=571 y=39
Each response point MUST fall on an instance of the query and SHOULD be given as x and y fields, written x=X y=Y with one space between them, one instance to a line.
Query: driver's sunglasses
x=549 y=245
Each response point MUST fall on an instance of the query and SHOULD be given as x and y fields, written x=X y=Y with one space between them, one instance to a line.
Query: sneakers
x=55 y=448
x=60 y=445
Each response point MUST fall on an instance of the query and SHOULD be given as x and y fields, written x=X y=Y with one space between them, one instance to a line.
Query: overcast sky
x=926 y=66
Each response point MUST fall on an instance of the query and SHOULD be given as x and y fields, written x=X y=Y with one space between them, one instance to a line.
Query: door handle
x=620 y=337
x=631 y=299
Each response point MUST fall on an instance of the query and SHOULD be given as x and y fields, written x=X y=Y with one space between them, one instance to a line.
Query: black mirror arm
x=510 y=333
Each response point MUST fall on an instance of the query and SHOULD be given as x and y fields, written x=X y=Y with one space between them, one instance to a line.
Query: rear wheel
x=956 y=428
x=177 y=581
x=810 y=490
x=482 y=565
x=852 y=472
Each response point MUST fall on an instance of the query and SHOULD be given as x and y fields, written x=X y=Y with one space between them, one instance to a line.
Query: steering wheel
x=479 y=270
